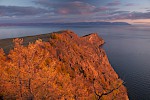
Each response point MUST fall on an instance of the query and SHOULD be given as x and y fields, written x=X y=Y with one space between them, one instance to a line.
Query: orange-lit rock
x=63 y=66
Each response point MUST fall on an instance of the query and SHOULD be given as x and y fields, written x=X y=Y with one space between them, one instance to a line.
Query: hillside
x=59 y=65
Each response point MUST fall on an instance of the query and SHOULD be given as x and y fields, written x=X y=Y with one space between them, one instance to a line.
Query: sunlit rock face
x=85 y=55
x=60 y=65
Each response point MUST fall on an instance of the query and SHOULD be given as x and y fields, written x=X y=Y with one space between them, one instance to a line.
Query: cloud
x=66 y=8
x=140 y=15
x=70 y=11
x=148 y=10
x=119 y=12
x=116 y=15
x=73 y=8
x=114 y=3
x=131 y=15
x=11 y=11
x=130 y=4
x=122 y=15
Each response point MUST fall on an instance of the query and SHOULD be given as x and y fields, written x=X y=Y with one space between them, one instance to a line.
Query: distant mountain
x=97 y=23
x=66 y=24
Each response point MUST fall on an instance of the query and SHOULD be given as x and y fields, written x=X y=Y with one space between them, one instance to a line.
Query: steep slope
x=65 y=66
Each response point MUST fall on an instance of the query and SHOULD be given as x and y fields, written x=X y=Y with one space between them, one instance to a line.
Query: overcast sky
x=47 y=11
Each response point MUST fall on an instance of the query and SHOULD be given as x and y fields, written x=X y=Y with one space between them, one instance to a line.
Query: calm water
x=127 y=47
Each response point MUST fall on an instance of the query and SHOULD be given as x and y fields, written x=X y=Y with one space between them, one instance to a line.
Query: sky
x=66 y=11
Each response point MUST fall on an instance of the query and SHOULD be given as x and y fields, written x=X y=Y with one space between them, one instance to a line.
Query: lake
x=127 y=47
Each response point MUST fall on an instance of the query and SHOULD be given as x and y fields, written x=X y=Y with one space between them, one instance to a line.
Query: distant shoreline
x=77 y=23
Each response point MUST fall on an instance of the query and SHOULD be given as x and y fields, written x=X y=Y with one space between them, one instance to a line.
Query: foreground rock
x=65 y=66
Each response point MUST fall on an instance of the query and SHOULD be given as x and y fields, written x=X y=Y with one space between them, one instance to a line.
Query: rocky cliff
x=60 y=65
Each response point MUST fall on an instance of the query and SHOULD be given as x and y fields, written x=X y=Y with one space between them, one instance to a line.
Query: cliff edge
x=64 y=66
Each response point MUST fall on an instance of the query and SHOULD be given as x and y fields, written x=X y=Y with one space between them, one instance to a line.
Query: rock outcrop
x=81 y=67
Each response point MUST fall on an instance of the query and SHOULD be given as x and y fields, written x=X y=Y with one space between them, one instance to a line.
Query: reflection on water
x=127 y=47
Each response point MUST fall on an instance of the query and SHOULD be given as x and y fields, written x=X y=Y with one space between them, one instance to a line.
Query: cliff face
x=65 y=67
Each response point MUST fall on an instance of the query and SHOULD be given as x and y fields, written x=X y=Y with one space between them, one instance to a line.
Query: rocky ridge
x=86 y=56
x=81 y=67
